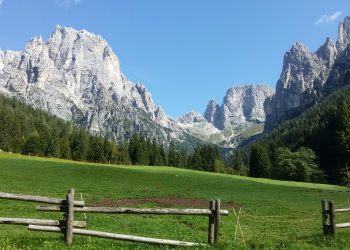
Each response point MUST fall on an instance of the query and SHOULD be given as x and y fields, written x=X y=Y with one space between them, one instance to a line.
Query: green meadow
x=274 y=214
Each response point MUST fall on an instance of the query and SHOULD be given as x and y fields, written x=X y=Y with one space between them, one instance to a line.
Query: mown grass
x=276 y=214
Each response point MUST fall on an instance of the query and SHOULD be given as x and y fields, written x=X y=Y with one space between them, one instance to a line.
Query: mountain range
x=307 y=77
x=76 y=76
x=241 y=109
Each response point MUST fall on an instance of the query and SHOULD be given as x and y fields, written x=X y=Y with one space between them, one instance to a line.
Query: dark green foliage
x=31 y=131
x=33 y=144
x=296 y=166
x=259 y=163
x=173 y=155
x=236 y=163
x=324 y=128
x=343 y=131
x=79 y=145
x=123 y=156
x=205 y=158
x=145 y=151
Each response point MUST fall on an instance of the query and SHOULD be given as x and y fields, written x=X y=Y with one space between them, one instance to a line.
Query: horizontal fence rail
x=342 y=225
x=26 y=221
x=69 y=227
x=39 y=199
x=342 y=210
x=124 y=210
x=116 y=236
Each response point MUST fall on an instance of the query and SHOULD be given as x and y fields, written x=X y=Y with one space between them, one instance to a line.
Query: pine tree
x=135 y=150
x=259 y=163
x=173 y=156
x=343 y=132
x=32 y=144
x=238 y=164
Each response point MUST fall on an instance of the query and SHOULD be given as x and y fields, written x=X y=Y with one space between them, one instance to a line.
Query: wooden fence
x=328 y=218
x=69 y=227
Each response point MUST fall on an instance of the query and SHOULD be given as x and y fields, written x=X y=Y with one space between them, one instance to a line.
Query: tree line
x=32 y=131
x=314 y=146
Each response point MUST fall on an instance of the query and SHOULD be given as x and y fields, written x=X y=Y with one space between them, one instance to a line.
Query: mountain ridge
x=306 y=77
x=76 y=76
x=241 y=109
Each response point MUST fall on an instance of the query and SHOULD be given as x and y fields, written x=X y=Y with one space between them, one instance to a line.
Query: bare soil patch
x=162 y=202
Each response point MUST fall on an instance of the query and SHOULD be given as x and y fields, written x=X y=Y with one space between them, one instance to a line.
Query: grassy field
x=276 y=214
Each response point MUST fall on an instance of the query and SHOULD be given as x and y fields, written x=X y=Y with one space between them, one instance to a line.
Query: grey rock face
x=194 y=123
x=76 y=76
x=344 y=34
x=304 y=75
x=191 y=117
x=241 y=107
x=212 y=112
x=340 y=73
x=223 y=125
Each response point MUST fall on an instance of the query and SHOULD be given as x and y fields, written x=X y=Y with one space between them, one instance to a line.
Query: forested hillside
x=312 y=147
x=35 y=132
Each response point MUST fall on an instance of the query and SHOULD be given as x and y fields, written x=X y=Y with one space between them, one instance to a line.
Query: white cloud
x=66 y=3
x=1 y=2
x=328 y=18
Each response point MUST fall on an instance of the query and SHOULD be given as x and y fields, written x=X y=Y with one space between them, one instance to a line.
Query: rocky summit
x=241 y=109
x=307 y=77
x=76 y=76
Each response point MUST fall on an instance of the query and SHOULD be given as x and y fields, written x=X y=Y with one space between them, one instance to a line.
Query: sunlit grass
x=276 y=214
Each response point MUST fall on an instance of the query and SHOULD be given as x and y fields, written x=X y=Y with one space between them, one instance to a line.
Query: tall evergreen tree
x=32 y=144
x=238 y=164
x=259 y=163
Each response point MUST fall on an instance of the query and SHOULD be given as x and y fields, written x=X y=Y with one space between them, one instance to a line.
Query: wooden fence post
x=332 y=226
x=69 y=216
x=211 y=223
x=217 y=221
x=325 y=226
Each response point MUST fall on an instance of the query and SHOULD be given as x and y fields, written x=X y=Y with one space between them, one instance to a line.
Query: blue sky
x=186 y=52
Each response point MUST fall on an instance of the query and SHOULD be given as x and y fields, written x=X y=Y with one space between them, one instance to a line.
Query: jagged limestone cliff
x=76 y=76
x=307 y=77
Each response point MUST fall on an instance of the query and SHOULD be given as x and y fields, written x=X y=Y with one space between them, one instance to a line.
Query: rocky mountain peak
x=191 y=117
x=35 y=42
x=304 y=77
x=328 y=51
x=212 y=111
x=241 y=106
x=343 y=34
x=299 y=48
x=298 y=53
x=76 y=76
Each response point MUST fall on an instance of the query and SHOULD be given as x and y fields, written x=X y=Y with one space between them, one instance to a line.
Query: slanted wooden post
x=69 y=216
x=211 y=223
x=325 y=226
x=217 y=221
x=332 y=226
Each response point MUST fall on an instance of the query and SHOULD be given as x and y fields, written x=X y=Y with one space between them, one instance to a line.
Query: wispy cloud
x=1 y=2
x=66 y=3
x=328 y=18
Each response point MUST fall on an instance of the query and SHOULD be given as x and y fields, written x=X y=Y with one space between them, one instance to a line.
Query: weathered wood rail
x=125 y=210
x=69 y=227
x=329 y=224
x=116 y=236
x=39 y=199
x=26 y=221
